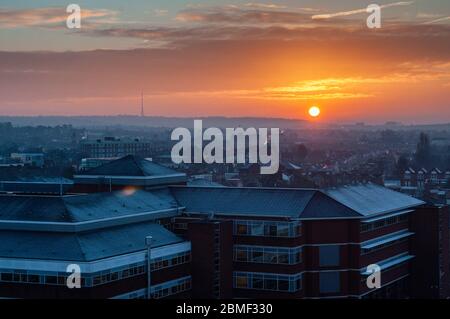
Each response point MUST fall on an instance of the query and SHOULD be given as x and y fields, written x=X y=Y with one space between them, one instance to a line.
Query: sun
x=314 y=111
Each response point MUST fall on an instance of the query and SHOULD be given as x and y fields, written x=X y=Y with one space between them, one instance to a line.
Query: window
x=270 y=282
x=35 y=279
x=384 y=222
x=257 y=256
x=329 y=256
x=283 y=257
x=283 y=230
x=241 y=254
x=267 y=255
x=270 y=256
x=257 y=229
x=242 y=282
x=391 y=221
x=270 y=230
x=267 y=229
x=366 y=227
x=171 y=288
x=283 y=283
x=379 y=224
x=329 y=282
x=6 y=277
x=241 y=229
x=258 y=282
x=295 y=256
x=51 y=280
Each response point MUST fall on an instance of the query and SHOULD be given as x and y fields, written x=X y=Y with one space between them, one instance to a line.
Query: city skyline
x=228 y=58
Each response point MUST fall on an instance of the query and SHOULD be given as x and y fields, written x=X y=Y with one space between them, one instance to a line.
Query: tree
x=402 y=165
x=423 y=152
x=300 y=152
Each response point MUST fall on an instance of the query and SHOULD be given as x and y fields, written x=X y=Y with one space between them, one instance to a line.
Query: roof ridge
x=138 y=163
x=335 y=200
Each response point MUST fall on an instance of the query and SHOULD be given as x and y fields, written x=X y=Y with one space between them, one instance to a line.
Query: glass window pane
x=258 y=282
x=283 y=257
x=283 y=230
x=270 y=284
x=242 y=282
x=241 y=254
x=270 y=256
x=283 y=285
x=257 y=229
x=242 y=229
x=257 y=256
x=329 y=256
x=329 y=282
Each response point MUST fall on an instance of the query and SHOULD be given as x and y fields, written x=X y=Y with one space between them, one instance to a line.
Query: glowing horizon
x=234 y=59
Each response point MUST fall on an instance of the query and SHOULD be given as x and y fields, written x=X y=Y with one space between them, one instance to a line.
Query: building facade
x=109 y=147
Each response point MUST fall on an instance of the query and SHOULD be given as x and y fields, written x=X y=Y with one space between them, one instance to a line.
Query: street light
x=148 y=243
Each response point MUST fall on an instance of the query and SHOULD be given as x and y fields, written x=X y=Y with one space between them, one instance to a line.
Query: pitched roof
x=84 y=246
x=81 y=208
x=131 y=166
x=244 y=201
x=370 y=199
x=342 y=202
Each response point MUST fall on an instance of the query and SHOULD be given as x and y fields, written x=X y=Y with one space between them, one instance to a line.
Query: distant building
x=31 y=159
x=218 y=242
x=127 y=171
x=88 y=163
x=108 y=147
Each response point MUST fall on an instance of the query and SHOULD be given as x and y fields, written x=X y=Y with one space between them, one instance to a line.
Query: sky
x=228 y=58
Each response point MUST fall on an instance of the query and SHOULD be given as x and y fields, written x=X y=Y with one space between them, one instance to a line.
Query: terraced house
x=131 y=216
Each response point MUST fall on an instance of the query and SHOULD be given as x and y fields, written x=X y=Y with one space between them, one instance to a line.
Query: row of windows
x=268 y=255
x=95 y=279
x=392 y=243
x=160 y=291
x=272 y=282
x=329 y=282
x=267 y=229
x=170 y=261
x=365 y=227
x=171 y=288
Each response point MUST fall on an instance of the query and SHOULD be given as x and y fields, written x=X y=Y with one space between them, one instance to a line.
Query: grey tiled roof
x=85 y=246
x=80 y=208
x=371 y=199
x=342 y=202
x=243 y=201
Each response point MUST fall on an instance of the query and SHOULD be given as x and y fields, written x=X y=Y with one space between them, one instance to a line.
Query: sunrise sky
x=231 y=58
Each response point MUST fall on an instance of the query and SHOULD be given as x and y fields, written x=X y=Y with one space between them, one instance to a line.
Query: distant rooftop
x=131 y=166
x=132 y=170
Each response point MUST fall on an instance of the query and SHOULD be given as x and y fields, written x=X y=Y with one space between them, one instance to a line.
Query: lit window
x=242 y=282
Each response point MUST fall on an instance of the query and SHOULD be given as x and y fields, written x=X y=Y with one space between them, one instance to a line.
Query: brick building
x=218 y=242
